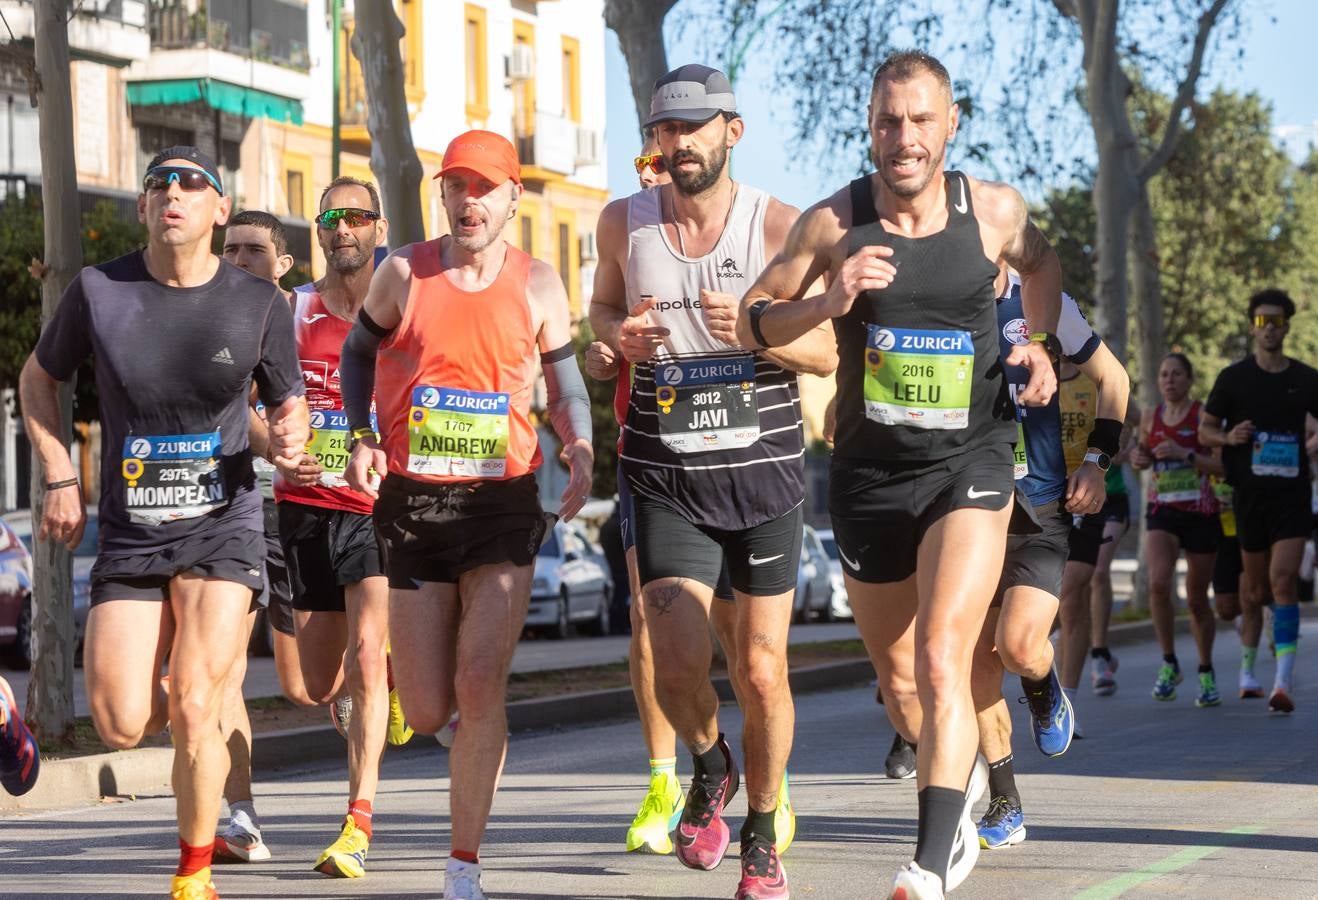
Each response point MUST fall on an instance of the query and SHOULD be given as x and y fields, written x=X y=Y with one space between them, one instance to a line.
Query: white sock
x=1285 y=671
x=459 y=867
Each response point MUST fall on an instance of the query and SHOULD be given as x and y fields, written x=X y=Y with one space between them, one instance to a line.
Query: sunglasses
x=356 y=218
x=1277 y=319
x=188 y=178
x=652 y=161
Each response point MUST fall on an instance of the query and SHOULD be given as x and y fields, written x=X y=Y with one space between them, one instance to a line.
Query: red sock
x=360 y=810
x=465 y=856
x=193 y=859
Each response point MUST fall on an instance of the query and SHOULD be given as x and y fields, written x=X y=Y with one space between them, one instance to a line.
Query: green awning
x=231 y=98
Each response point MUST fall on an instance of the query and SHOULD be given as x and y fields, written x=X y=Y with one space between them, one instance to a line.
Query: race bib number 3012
x=456 y=432
x=707 y=404
x=169 y=477
x=918 y=378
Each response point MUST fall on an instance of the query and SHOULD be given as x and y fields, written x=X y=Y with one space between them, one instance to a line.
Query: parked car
x=571 y=585
x=813 y=590
x=838 y=600
x=15 y=599
x=84 y=555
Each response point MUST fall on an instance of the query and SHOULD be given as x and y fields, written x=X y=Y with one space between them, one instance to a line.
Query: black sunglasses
x=356 y=218
x=188 y=178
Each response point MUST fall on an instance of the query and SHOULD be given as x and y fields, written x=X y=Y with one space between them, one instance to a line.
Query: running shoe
x=197 y=886
x=1250 y=689
x=20 y=759
x=915 y=883
x=462 y=882
x=341 y=714
x=1280 y=702
x=762 y=875
x=1169 y=676
x=1103 y=673
x=346 y=857
x=901 y=758
x=1208 y=695
x=658 y=816
x=241 y=841
x=965 y=846
x=701 y=837
x=448 y=733
x=399 y=732
x=1051 y=717
x=1002 y=826
x=784 y=819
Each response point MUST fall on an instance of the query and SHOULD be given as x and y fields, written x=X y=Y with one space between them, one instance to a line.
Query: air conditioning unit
x=588 y=251
x=520 y=64
x=588 y=146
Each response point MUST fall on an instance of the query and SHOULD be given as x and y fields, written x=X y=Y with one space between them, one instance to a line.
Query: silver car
x=571 y=585
x=83 y=557
x=813 y=589
x=838 y=600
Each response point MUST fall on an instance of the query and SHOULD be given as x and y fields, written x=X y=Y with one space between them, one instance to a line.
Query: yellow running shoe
x=784 y=819
x=346 y=857
x=399 y=732
x=196 y=886
x=658 y=816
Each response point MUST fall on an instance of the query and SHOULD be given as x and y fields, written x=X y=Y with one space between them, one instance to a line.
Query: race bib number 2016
x=457 y=432
x=918 y=378
x=170 y=477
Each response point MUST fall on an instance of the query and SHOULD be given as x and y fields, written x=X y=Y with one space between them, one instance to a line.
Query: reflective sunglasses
x=356 y=218
x=652 y=161
x=189 y=178
x=1277 y=319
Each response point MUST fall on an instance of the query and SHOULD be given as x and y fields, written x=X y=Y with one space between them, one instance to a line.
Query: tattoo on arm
x=662 y=598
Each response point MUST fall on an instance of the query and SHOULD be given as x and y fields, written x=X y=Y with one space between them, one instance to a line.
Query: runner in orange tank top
x=447 y=340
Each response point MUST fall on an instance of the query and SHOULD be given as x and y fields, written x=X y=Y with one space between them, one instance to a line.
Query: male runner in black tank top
x=921 y=484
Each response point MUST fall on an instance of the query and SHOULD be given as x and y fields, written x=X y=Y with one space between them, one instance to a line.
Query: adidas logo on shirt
x=224 y=356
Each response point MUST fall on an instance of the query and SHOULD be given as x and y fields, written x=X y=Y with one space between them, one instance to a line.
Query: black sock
x=1029 y=684
x=1170 y=659
x=711 y=765
x=940 y=814
x=1203 y=668
x=1100 y=653
x=758 y=824
x=1002 y=780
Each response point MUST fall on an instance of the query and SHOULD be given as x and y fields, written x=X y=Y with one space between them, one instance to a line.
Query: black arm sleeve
x=357 y=369
x=66 y=340
x=278 y=375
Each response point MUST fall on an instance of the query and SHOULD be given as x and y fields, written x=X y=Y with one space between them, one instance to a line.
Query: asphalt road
x=1158 y=800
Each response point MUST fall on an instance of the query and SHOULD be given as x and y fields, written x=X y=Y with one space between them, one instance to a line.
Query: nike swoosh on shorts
x=756 y=561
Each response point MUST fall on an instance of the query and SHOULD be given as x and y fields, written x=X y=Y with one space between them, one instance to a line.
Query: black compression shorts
x=1037 y=560
x=1196 y=532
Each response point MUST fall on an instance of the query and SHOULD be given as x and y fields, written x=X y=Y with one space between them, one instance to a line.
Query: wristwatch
x=1102 y=460
x=357 y=435
x=1050 y=343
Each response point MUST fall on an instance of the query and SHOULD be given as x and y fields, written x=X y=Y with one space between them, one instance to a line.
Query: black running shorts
x=1228 y=566
x=276 y=595
x=1264 y=517
x=434 y=532
x=1197 y=532
x=236 y=555
x=1037 y=560
x=881 y=513
x=326 y=549
x=761 y=561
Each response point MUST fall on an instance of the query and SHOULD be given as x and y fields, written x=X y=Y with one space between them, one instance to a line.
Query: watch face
x=1104 y=461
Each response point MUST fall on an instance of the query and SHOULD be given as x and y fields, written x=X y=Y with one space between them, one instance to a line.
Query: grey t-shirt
x=174 y=368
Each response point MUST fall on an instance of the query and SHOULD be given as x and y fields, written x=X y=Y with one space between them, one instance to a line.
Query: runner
x=1025 y=603
x=456 y=323
x=922 y=470
x=20 y=757
x=1182 y=514
x=714 y=456
x=178 y=338
x=1256 y=413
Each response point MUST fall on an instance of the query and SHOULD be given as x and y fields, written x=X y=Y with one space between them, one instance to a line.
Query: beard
x=349 y=259
x=907 y=190
x=691 y=184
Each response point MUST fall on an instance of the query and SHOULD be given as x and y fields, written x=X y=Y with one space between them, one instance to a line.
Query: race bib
x=329 y=444
x=1177 y=481
x=707 y=404
x=918 y=378
x=457 y=432
x=1019 y=457
x=1276 y=454
x=170 y=477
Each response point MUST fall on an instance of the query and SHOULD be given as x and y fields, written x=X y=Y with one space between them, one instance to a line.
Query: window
x=572 y=79
x=524 y=104
x=528 y=235
x=296 y=189
x=565 y=255
x=478 y=106
x=413 y=50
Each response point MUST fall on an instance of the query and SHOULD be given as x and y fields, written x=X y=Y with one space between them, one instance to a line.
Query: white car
x=838 y=601
x=571 y=585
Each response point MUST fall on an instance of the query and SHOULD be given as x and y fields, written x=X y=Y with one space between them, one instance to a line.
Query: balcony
x=273 y=31
x=552 y=146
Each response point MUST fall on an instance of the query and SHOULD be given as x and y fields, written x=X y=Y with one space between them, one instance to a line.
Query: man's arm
x=1212 y=416
x=63 y=515
x=608 y=298
x=815 y=352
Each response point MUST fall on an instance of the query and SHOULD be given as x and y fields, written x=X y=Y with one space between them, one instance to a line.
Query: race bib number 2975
x=169 y=477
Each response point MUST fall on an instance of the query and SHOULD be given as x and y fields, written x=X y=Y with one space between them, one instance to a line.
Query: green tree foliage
x=604 y=426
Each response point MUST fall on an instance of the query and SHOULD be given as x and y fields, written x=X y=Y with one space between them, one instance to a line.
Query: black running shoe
x=901 y=758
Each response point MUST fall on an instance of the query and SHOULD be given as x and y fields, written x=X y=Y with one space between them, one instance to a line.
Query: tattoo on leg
x=661 y=598
x=760 y=639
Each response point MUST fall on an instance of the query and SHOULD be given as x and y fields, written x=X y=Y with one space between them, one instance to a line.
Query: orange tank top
x=453 y=382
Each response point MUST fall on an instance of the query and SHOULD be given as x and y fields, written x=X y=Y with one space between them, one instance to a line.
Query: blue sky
x=1279 y=63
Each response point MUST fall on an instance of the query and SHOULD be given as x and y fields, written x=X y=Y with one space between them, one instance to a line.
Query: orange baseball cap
x=487 y=154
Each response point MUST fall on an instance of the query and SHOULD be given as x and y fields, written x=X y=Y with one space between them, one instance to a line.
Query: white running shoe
x=341 y=714
x=965 y=847
x=446 y=735
x=241 y=841
x=462 y=881
x=914 y=883
x=1250 y=688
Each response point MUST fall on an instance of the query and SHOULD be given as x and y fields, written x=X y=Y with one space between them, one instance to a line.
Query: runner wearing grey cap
x=713 y=454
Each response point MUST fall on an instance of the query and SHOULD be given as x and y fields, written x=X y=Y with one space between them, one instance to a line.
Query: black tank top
x=919 y=374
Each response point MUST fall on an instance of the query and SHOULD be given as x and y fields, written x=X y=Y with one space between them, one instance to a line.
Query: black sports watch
x=1100 y=459
x=1050 y=343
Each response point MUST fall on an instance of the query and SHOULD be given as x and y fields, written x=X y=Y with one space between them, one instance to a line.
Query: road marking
x=1115 y=887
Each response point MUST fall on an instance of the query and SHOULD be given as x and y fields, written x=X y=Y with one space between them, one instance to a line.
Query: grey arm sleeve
x=357 y=369
x=569 y=404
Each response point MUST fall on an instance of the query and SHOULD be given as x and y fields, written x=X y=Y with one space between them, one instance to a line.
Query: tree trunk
x=50 y=691
x=394 y=162
x=1152 y=345
x=639 y=25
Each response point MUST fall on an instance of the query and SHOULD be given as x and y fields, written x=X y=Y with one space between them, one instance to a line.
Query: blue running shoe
x=1051 y=716
x=1169 y=676
x=1208 y=695
x=20 y=760
x=1002 y=826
